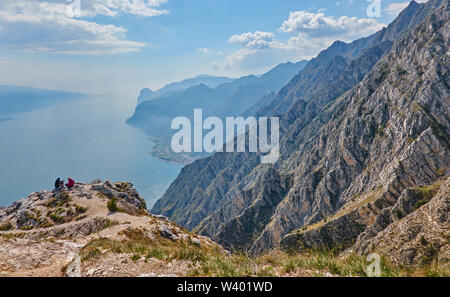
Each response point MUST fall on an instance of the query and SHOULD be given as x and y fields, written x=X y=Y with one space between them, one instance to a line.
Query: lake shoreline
x=98 y=145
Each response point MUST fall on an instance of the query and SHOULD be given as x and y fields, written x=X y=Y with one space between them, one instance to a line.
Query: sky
x=117 y=47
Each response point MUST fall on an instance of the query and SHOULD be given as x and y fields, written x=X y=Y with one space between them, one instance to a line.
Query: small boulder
x=74 y=268
x=167 y=233
x=195 y=241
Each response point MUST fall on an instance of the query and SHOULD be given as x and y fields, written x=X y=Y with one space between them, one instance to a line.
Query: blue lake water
x=82 y=139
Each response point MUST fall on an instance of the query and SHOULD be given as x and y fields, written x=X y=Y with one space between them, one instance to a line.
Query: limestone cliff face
x=400 y=161
x=361 y=123
x=387 y=136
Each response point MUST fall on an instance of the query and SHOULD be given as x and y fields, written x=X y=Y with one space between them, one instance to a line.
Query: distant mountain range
x=232 y=98
x=17 y=99
x=5 y=118
x=365 y=158
x=170 y=89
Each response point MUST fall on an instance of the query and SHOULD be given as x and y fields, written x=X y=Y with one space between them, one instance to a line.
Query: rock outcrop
x=74 y=233
x=49 y=208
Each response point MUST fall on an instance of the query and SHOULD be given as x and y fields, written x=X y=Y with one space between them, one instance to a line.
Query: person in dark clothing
x=70 y=184
x=59 y=184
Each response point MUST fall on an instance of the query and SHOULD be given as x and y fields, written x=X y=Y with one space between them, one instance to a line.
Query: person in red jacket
x=70 y=184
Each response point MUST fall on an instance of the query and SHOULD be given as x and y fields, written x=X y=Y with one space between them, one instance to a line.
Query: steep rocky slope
x=360 y=124
x=392 y=131
x=409 y=90
x=75 y=234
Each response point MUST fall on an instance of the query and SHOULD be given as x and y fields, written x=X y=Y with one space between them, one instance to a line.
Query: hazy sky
x=121 y=46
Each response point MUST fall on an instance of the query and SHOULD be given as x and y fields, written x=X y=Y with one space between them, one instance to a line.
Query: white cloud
x=203 y=50
x=308 y=34
x=239 y=56
x=320 y=25
x=295 y=49
x=215 y=66
x=136 y=7
x=256 y=40
x=47 y=26
x=395 y=8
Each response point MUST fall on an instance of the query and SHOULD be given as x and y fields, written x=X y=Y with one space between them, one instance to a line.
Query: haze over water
x=82 y=139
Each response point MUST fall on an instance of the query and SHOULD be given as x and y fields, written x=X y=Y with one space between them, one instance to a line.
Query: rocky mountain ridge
x=176 y=87
x=361 y=123
x=228 y=99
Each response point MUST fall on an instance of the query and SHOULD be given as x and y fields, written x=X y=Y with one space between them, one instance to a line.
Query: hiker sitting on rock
x=70 y=184
x=59 y=184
